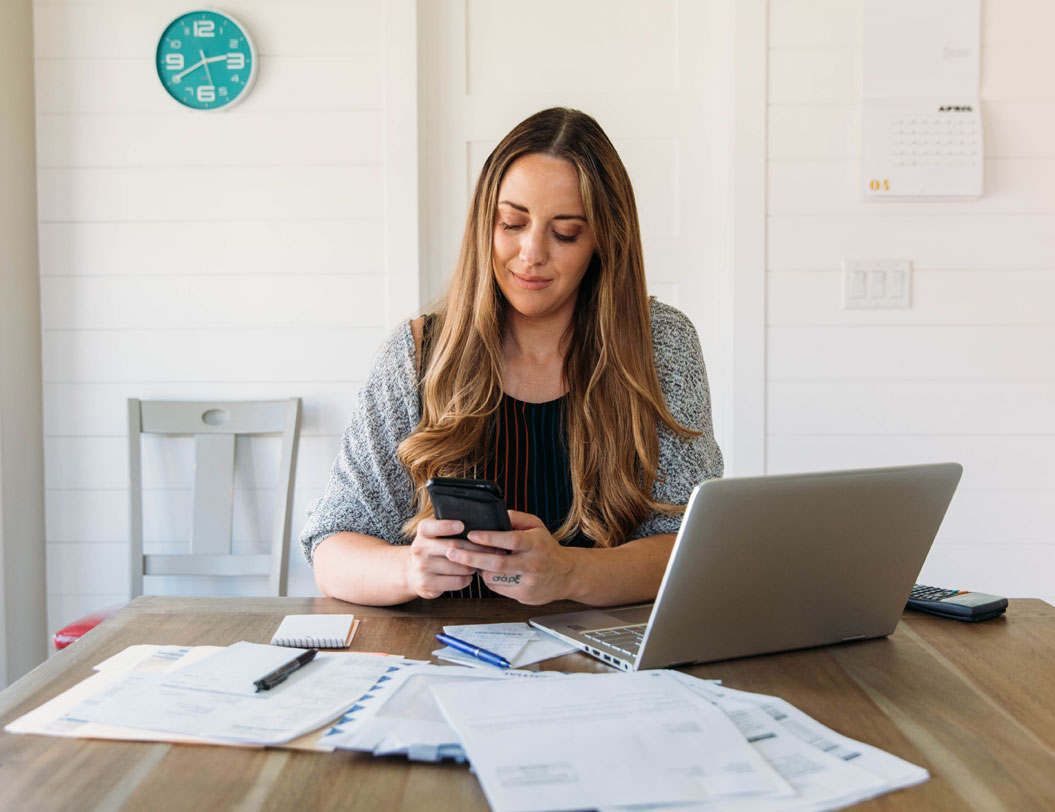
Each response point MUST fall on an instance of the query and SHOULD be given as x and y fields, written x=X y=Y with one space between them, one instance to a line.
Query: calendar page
x=921 y=126
x=922 y=148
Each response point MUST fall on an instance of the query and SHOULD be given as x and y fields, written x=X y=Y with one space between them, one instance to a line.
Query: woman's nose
x=533 y=247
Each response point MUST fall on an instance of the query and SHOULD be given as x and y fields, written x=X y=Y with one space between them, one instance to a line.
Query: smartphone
x=476 y=503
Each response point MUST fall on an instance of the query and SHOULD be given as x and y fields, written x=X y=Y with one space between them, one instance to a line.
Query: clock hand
x=205 y=62
x=188 y=70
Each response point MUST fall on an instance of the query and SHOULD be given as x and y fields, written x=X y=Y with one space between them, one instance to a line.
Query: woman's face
x=542 y=244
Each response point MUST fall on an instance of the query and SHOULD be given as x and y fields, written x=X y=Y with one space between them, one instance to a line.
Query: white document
x=828 y=771
x=52 y=719
x=601 y=740
x=150 y=657
x=896 y=772
x=234 y=669
x=518 y=642
x=399 y=715
x=314 y=695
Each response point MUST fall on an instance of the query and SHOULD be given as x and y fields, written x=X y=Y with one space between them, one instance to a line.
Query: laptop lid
x=773 y=563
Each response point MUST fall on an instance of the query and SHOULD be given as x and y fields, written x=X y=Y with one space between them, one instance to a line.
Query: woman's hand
x=535 y=570
x=429 y=570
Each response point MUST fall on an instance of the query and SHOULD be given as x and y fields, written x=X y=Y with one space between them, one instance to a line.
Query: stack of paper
x=399 y=715
x=520 y=644
x=209 y=697
x=612 y=741
x=536 y=740
x=603 y=740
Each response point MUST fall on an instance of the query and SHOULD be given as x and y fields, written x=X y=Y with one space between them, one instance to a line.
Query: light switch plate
x=877 y=283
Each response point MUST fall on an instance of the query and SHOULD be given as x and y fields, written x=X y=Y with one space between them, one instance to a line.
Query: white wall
x=966 y=374
x=261 y=252
x=22 y=637
x=243 y=254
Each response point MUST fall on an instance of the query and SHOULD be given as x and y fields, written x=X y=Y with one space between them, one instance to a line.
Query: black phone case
x=477 y=503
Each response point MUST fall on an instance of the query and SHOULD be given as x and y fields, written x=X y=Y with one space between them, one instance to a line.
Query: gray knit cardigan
x=370 y=492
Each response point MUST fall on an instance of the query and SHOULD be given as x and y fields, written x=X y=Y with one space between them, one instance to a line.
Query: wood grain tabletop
x=973 y=703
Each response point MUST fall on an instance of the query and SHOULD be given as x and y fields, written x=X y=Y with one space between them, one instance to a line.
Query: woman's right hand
x=428 y=572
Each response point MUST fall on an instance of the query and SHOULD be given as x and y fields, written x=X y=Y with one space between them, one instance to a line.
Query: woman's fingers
x=438 y=528
x=524 y=521
x=431 y=571
x=490 y=561
x=439 y=584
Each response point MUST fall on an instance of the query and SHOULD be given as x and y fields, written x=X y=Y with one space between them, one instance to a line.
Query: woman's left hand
x=536 y=569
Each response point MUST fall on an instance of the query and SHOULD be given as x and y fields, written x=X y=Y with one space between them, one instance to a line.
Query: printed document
x=517 y=642
x=601 y=740
x=399 y=715
x=311 y=697
x=828 y=771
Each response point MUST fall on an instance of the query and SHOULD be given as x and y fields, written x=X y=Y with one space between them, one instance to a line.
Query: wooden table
x=973 y=703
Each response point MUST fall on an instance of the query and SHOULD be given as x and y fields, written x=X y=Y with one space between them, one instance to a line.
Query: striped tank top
x=529 y=462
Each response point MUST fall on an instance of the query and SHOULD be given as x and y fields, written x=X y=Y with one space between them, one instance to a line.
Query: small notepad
x=316 y=631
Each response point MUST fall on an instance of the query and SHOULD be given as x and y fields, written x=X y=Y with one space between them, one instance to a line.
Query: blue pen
x=486 y=656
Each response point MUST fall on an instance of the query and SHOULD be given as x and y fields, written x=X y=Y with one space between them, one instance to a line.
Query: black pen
x=269 y=681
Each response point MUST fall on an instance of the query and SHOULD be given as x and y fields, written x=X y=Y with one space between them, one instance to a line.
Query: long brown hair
x=613 y=389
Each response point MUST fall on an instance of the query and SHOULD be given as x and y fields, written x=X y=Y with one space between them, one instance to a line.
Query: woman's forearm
x=362 y=569
x=630 y=573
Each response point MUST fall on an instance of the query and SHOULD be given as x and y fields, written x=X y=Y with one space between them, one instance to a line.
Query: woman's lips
x=531 y=282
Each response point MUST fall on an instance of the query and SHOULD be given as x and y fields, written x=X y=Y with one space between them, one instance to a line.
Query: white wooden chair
x=215 y=425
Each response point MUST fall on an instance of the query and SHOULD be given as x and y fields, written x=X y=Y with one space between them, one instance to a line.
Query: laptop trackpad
x=632 y=614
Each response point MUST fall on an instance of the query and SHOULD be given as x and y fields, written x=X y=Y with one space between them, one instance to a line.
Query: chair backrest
x=214 y=426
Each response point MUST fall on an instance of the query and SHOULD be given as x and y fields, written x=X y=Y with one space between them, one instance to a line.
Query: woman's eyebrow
x=555 y=217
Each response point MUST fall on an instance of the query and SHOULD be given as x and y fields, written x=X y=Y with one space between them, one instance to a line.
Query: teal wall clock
x=206 y=61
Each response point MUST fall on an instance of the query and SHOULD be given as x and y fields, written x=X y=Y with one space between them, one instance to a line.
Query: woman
x=548 y=370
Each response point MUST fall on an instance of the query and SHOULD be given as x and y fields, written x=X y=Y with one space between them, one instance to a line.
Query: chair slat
x=213 y=494
x=218 y=417
x=206 y=564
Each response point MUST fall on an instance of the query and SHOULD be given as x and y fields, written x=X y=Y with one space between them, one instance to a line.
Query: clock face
x=205 y=60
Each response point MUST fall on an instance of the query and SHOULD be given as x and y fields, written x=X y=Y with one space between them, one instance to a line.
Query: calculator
x=956 y=604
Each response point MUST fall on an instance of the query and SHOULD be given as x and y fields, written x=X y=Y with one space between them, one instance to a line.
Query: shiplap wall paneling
x=236 y=255
x=967 y=373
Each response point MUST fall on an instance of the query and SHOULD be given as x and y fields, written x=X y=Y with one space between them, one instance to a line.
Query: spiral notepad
x=315 y=631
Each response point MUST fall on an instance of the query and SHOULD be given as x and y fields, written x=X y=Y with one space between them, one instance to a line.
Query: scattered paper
x=311 y=697
x=235 y=669
x=518 y=642
x=399 y=715
x=601 y=740
x=567 y=737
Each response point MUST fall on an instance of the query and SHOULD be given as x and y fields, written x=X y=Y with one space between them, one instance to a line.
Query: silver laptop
x=774 y=563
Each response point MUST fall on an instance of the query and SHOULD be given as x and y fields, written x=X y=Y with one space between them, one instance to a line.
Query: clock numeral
x=174 y=61
x=235 y=61
x=204 y=28
x=206 y=93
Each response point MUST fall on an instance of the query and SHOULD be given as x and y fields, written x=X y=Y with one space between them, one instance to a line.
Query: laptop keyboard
x=626 y=639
